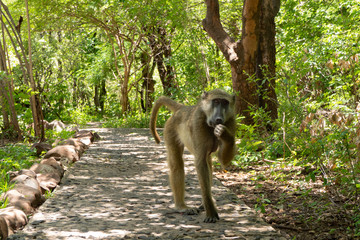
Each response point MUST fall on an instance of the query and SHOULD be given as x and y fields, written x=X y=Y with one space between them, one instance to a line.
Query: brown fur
x=194 y=127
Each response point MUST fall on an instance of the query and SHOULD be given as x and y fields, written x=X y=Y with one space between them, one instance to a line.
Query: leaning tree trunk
x=34 y=98
x=3 y=93
x=4 y=108
x=7 y=99
x=252 y=59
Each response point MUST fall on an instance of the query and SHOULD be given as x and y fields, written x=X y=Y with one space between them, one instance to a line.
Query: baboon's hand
x=219 y=130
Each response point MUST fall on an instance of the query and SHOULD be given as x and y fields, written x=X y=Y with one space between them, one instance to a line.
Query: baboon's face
x=218 y=108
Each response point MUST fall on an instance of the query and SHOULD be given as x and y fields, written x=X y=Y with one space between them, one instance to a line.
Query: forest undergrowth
x=301 y=171
x=302 y=180
x=284 y=198
x=16 y=155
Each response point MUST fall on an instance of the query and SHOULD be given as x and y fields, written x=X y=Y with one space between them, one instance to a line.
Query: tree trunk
x=102 y=93
x=4 y=109
x=75 y=94
x=3 y=92
x=7 y=99
x=34 y=98
x=161 y=50
x=124 y=99
x=252 y=59
x=266 y=57
x=148 y=85
x=127 y=53
x=96 y=97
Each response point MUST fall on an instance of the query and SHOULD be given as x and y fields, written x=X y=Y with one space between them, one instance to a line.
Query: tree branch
x=213 y=27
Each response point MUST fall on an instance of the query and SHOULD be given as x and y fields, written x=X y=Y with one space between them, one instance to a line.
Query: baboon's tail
x=162 y=101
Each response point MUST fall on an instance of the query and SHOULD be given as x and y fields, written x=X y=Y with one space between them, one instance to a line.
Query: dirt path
x=119 y=190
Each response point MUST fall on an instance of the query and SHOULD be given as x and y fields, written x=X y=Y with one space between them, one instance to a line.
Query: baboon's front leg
x=226 y=144
x=205 y=179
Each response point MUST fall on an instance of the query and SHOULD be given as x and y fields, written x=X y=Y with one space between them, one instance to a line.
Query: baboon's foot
x=192 y=211
x=184 y=209
x=189 y=210
x=212 y=218
x=201 y=208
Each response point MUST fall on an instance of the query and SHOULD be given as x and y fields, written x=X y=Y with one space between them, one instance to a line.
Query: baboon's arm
x=226 y=144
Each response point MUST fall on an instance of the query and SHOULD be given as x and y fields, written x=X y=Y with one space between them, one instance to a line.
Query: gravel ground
x=119 y=190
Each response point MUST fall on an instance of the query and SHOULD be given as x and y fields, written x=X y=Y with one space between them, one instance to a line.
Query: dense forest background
x=108 y=60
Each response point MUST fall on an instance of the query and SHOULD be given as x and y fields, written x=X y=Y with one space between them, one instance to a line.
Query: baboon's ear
x=204 y=95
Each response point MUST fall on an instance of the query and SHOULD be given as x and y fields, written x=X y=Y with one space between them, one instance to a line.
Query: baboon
x=202 y=129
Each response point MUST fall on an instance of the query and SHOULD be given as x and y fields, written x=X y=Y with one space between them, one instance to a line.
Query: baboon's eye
x=219 y=101
x=216 y=101
x=225 y=102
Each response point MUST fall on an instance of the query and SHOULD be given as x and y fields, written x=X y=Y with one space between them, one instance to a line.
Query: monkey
x=202 y=128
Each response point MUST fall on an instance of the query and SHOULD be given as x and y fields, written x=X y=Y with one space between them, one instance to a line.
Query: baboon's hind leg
x=176 y=172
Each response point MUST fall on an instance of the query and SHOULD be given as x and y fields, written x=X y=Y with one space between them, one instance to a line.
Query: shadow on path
x=119 y=190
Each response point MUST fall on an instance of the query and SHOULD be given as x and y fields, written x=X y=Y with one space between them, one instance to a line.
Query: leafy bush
x=80 y=115
x=137 y=120
x=52 y=135
x=13 y=157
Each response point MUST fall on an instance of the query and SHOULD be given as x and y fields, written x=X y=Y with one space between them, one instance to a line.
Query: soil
x=283 y=198
x=119 y=190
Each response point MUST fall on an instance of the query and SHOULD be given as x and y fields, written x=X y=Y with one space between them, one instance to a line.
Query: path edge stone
x=31 y=185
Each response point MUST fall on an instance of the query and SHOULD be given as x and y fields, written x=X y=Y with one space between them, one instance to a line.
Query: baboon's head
x=218 y=106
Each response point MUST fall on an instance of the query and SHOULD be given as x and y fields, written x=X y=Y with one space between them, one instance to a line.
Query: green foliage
x=71 y=63
x=48 y=195
x=80 y=115
x=3 y=203
x=138 y=120
x=13 y=157
x=357 y=224
x=323 y=150
x=318 y=90
x=80 y=70
x=317 y=55
x=52 y=135
x=16 y=156
x=262 y=202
